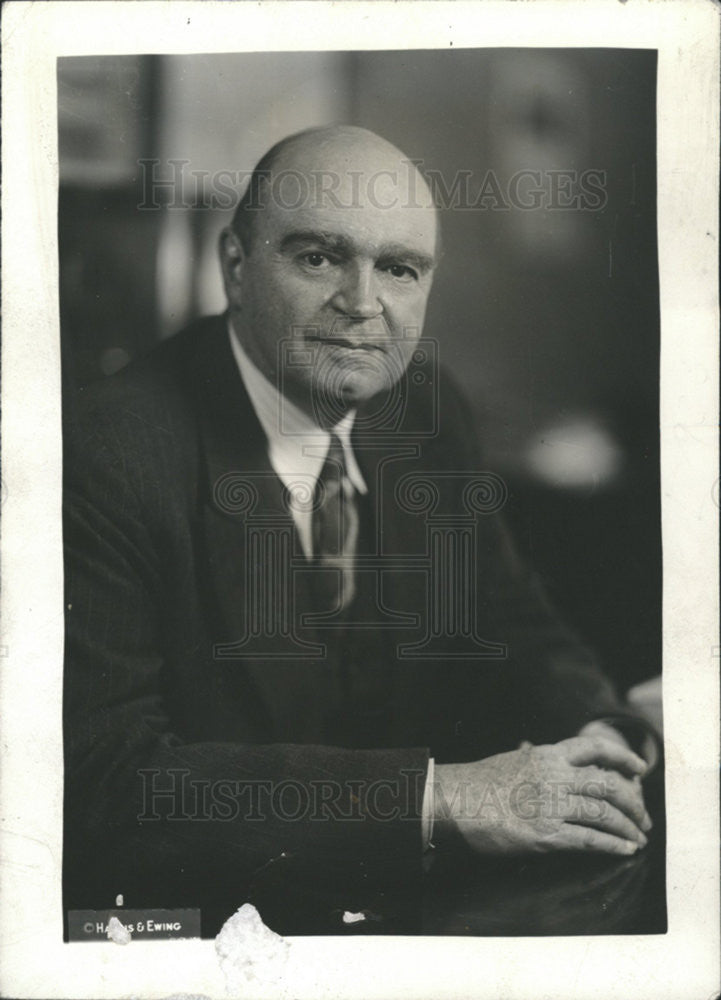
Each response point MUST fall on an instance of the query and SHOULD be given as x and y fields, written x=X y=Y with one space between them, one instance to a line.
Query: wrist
x=447 y=789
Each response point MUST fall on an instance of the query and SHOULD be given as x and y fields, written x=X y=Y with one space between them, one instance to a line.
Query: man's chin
x=334 y=398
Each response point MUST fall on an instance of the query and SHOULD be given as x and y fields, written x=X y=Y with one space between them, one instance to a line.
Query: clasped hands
x=581 y=794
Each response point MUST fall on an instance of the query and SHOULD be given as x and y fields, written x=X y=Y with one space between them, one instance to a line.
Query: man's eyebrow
x=329 y=241
x=406 y=255
x=335 y=243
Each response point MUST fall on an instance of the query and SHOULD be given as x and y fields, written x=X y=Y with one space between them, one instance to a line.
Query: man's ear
x=232 y=260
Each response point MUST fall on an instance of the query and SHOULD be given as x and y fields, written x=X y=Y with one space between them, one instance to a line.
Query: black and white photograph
x=361 y=510
x=362 y=522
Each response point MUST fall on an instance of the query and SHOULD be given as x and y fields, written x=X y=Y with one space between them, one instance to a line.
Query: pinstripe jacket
x=211 y=723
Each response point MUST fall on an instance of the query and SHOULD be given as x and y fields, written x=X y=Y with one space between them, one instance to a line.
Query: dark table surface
x=470 y=895
x=547 y=895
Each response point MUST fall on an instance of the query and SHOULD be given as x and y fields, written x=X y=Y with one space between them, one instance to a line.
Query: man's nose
x=358 y=294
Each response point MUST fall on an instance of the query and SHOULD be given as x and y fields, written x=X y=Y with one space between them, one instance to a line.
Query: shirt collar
x=296 y=444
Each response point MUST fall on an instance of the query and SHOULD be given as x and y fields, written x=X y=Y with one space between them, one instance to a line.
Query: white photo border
x=684 y=963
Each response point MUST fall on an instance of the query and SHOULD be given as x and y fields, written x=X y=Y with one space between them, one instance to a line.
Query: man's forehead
x=364 y=229
x=354 y=199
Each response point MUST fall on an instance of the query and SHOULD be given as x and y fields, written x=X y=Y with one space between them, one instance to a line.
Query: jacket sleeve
x=149 y=814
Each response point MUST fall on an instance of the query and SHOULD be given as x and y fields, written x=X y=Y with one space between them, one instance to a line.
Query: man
x=266 y=668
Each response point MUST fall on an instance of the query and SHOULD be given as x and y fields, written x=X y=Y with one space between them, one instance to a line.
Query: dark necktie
x=335 y=531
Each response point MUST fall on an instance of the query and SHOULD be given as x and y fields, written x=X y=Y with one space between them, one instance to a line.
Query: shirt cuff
x=427 y=808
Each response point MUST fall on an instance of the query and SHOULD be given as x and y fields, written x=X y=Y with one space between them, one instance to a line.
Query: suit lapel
x=254 y=564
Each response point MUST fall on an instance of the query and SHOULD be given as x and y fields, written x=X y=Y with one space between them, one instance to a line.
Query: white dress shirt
x=297 y=446
x=297 y=450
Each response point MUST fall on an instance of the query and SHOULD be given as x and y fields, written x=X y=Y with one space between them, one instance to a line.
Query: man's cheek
x=303 y=296
x=405 y=321
x=403 y=352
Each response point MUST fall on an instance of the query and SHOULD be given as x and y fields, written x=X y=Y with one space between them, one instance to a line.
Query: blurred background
x=548 y=316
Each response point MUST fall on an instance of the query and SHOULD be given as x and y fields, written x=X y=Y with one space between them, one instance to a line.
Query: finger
x=604 y=730
x=647 y=823
x=571 y=837
x=604 y=753
x=611 y=786
x=601 y=815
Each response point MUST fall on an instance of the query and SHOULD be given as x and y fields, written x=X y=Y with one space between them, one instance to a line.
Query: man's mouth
x=364 y=345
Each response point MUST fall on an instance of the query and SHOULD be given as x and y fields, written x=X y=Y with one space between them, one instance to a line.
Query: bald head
x=338 y=167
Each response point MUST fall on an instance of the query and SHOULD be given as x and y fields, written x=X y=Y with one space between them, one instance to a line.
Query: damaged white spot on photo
x=249 y=951
x=118 y=932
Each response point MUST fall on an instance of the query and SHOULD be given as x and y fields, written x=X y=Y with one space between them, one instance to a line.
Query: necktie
x=335 y=531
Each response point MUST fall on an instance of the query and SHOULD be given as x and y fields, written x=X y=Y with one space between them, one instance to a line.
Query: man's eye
x=402 y=272
x=315 y=260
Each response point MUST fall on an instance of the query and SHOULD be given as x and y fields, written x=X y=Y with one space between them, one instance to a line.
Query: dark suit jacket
x=175 y=682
